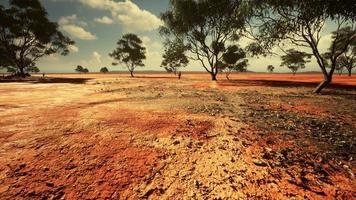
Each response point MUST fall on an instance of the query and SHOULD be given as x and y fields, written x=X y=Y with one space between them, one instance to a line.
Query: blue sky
x=96 y=25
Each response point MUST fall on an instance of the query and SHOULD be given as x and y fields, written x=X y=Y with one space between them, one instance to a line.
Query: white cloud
x=128 y=14
x=73 y=26
x=73 y=48
x=104 y=20
x=97 y=57
x=325 y=42
x=154 y=51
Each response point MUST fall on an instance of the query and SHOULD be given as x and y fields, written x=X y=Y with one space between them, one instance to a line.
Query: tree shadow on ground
x=156 y=77
x=280 y=83
x=47 y=80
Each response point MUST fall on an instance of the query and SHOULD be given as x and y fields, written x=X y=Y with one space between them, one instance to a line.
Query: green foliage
x=301 y=22
x=104 y=70
x=85 y=70
x=270 y=68
x=344 y=40
x=12 y=70
x=81 y=69
x=204 y=27
x=32 y=69
x=174 y=56
x=295 y=60
x=234 y=60
x=27 y=35
x=345 y=47
x=130 y=52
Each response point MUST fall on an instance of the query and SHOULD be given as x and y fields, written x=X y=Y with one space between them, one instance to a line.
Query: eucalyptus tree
x=295 y=60
x=174 y=57
x=130 y=52
x=205 y=27
x=301 y=22
x=26 y=34
x=234 y=60
x=347 y=59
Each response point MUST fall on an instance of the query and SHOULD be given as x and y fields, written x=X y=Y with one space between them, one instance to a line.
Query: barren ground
x=96 y=136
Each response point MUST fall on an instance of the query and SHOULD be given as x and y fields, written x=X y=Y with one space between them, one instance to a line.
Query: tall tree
x=295 y=60
x=204 y=26
x=348 y=57
x=348 y=62
x=234 y=60
x=130 y=52
x=301 y=22
x=26 y=34
x=174 y=57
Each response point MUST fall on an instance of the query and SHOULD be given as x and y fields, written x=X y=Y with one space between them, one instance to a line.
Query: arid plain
x=258 y=136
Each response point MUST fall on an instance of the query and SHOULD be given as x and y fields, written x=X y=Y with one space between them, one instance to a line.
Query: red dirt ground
x=98 y=136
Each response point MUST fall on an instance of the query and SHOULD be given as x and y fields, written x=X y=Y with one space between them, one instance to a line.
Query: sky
x=96 y=26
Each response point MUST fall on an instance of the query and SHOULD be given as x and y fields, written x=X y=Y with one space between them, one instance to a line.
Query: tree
x=234 y=59
x=130 y=52
x=174 y=57
x=270 y=68
x=301 y=22
x=295 y=60
x=104 y=70
x=348 y=62
x=204 y=27
x=26 y=34
x=85 y=70
x=32 y=69
x=79 y=69
x=340 y=65
x=348 y=58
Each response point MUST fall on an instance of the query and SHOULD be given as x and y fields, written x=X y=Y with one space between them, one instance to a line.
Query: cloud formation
x=74 y=27
x=127 y=13
x=104 y=20
x=73 y=49
x=97 y=57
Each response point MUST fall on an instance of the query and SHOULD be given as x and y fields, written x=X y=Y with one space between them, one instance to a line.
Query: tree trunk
x=323 y=84
x=213 y=76
x=227 y=76
x=349 y=70
x=131 y=73
x=22 y=72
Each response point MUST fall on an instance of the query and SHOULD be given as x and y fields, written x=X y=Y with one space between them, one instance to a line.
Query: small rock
x=259 y=163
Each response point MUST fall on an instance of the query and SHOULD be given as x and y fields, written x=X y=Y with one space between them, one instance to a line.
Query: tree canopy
x=204 y=27
x=234 y=60
x=174 y=57
x=26 y=34
x=295 y=60
x=81 y=69
x=270 y=68
x=104 y=70
x=130 y=52
x=347 y=59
